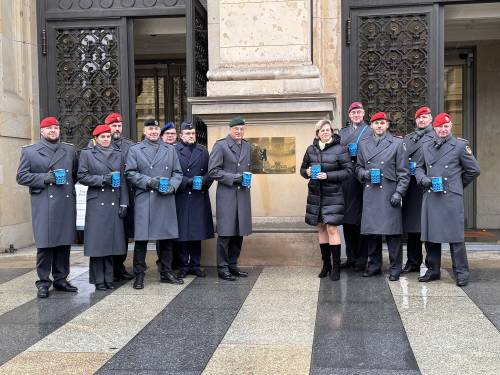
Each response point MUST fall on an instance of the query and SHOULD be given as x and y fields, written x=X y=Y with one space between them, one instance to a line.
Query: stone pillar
x=18 y=111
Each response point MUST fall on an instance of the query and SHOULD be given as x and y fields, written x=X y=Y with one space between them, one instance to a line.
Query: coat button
x=150 y=167
x=187 y=170
x=51 y=196
x=381 y=186
x=67 y=171
x=446 y=166
x=446 y=178
x=189 y=193
x=367 y=185
x=238 y=164
x=112 y=189
x=381 y=174
x=409 y=158
x=238 y=188
x=430 y=166
x=152 y=191
x=50 y=184
x=381 y=162
x=201 y=169
x=444 y=191
x=102 y=189
x=67 y=183
x=67 y=196
x=369 y=162
x=102 y=204
x=112 y=203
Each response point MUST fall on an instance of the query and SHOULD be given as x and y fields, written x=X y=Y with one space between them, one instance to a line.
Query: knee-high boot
x=335 y=250
x=325 y=256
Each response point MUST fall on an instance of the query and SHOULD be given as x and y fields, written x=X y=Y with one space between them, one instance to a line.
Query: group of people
x=375 y=184
x=155 y=190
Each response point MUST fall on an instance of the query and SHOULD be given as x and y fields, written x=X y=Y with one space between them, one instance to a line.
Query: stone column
x=18 y=111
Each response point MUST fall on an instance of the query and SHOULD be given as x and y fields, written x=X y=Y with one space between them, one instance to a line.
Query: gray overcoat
x=443 y=212
x=234 y=209
x=104 y=230
x=412 y=204
x=379 y=217
x=155 y=214
x=53 y=207
x=352 y=188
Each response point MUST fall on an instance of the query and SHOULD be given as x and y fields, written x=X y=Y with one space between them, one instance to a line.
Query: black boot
x=325 y=256
x=335 y=275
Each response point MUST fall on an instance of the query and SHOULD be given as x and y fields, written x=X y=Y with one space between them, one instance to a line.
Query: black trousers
x=352 y=236
x=164 y=251
x=395 y=247
x=53 y=260
x=414 y=250
x=459 y=260
x=101 y=269
x=228 y=252
x=189 y=255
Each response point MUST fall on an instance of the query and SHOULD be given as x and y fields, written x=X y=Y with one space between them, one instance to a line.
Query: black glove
x=154 y=183
x=396 y=199
x=49 y=178
x=237 y=179
x=426 y=182
x=189 y=181
x=170 y=190
x=106 y=180
x=122 y=212
x=367 y=175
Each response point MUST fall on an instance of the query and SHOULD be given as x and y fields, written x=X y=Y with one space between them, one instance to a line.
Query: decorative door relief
x=87 y=79
x=394 y=66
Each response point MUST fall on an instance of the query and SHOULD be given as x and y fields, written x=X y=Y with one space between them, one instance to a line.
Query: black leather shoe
x=409 y=268
x=100 y=286
x=226 y=276
x=346 y=264
x=139 y=281
x=169 y=278
x=393 y=277
x=126 y=275
x=237 y=272
x=181 y=274
x=65 y=287
x=110 y=285
x=371 y=273
x=428 y=277
x=43 y=291
x=462 y=283
x=358 y=268
x=197 y=272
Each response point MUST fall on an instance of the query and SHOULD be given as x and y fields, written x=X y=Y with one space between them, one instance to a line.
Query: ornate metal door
x=87 y=74
x=393 y=61
x=197 y=59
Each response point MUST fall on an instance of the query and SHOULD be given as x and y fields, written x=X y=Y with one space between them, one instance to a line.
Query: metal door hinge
x=44 y=42
x=348 y=30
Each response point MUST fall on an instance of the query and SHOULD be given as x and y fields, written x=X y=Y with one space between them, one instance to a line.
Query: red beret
x=378 y=116
x=422 y=111
x=99 y=129
x=48 y=121
x=112 y=118
x=442 y=118
x=355 y=105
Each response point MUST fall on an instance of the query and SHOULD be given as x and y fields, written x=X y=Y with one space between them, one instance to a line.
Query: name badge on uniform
x=413 y=166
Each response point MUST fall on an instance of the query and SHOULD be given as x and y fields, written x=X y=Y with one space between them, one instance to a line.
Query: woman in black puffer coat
x=325 y=200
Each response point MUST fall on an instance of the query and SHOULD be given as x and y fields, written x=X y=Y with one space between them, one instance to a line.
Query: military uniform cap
x=378 y=116
x=186 y=126
x=422 y=111
x=442 y=118
x=112 y=118
x=236 y=121
x=99 y=129
x=151 y=122
x=48 y=121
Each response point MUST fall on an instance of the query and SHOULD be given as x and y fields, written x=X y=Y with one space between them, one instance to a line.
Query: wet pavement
x=279 y=320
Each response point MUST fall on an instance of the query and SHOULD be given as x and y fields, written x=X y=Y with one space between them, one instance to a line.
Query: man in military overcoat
x=350 y=136
x=445 y=168
x=148 y=164
x=53 y=205
x=229 y=159
x=412 y=204
x=194 y=212
x=381 y=167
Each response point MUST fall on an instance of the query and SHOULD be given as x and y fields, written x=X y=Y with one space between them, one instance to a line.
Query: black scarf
x=419 y=133
x=107 y=152
x=52 y=146
x=438 y=142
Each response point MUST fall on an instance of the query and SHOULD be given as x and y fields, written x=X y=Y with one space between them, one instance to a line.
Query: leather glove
x=396 y=199
x=237 y=179
x=154 y=183
x=106 y=180
x=426 y=182
x=170 y=190
x=367 y=175
x=189 y=181
x=49 y=178
x=122 y=212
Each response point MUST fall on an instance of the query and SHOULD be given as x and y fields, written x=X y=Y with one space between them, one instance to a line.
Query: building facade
x=283 y=65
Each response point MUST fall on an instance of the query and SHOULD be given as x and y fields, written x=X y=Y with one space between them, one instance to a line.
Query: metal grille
x=393 y=66
x=87 y=79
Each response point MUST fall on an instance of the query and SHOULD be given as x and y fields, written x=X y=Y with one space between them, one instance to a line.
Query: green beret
x=237 y=121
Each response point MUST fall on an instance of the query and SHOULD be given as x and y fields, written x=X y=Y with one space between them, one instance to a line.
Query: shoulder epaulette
x=32 y=144
x=69 y=144
x=244 y=140
x=222 y=139
x=398 y=136
x=462 y=139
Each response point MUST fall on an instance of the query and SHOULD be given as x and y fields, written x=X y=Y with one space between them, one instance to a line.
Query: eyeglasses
x=238 y=128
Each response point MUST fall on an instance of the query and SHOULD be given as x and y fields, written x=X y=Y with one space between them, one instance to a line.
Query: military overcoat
x=443 y=212
x=53 y=207
x=155 y=214
x=194 y=212
x=104 y=229
x=351 y=187
x=379 y=216
x=233 y=203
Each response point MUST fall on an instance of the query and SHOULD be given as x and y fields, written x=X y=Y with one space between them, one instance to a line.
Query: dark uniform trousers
x=119 y=260
x=55 y=260
x=414 y=250
x=356 y=245
x=164 y=251
x=374 y=249
x=189 y=255
x=101 y=269
x=228 y=252
x=459 y=260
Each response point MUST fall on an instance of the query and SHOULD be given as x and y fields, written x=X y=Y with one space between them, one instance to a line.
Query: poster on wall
x=272 y=155
x=81 y=205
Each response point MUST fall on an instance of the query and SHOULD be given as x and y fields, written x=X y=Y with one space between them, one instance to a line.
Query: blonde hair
x=322 y=123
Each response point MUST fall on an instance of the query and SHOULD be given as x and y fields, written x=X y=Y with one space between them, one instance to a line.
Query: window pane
x=454 y=97
x=145 y=102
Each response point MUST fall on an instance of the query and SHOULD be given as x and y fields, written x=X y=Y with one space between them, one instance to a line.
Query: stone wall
x=18 y=111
